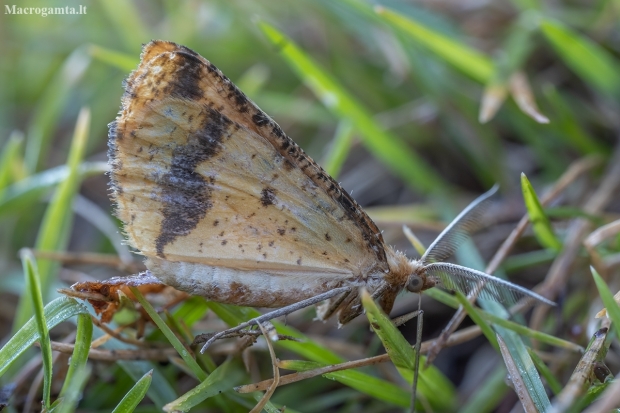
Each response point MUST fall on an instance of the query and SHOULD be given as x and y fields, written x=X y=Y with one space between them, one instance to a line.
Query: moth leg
x=270 y=316
x=398 y=321
x=325 y=310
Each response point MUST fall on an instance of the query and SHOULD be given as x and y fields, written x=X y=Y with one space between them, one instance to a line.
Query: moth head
x=418 y=280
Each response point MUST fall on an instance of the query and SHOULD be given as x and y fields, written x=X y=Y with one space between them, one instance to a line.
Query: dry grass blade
x=108 y=260
x=582 y=373
x=595 y=238
x=276 y=374
x=608 y=401
x=516 y=379
x=522 y=94
x=160 y=354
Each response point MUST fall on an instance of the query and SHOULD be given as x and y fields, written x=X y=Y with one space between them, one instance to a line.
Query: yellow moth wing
x=201 y=175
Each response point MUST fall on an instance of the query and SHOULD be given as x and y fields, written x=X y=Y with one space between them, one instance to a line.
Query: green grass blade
x=55 y=312
x=462 y=57
x=50 y=106
x=24 y=193
x=121 y=61
x=340 y=147
x=477 y=317
x=588 y=60
x=54 y=230
x=538 y=218
x=489 y=394
x=571 y=132
x=433 y=386
x=185 y=354
x=83 y=339
x=527 y=369
x=222 y=379
x=528 y=332
x=552 y=381
x=34 y=289
x=613 y=310
x=385 y=146
x=135 y=395
x=7 y=160
x=372 y=386
x=74 y=393
x=127 y=22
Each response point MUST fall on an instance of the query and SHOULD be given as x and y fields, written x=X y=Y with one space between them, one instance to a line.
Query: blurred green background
x=389 y=100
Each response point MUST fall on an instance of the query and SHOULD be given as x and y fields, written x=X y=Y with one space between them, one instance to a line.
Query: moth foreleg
x=210 y=338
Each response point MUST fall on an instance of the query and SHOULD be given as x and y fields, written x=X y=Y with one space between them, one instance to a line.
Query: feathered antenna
x=463 y=279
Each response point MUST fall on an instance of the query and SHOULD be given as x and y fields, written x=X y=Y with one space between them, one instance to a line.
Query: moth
x=223 y=204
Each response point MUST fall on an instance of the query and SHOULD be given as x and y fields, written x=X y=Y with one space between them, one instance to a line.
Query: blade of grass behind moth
x=514 y=347
x=26 y=192
x=516 y=378
x=488 y=394
x=34 y=289
x=588 y=60
x=613 y=310
x=339 y=148
x=127 y=20
x=10 y=154
x=135 y=395
x=54 y=230
x=50 y=106
x=73 y=395
x=552 y=381
x=364 y=383
x=567 y=126
x=433 y=386
x=397 y=156
x=161 y=391
x=54 y=313
x=477 y=318
x=538 y=218
x=83 y=339
x=198 y=372
x=121 y=61
x=222 y=379
x=469 y=61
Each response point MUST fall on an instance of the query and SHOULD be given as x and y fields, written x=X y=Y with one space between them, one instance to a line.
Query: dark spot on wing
x=260 y=118
x=328 y=237
x=268 y=196
x=281 y=231
x=186 y=80
x=216 y=222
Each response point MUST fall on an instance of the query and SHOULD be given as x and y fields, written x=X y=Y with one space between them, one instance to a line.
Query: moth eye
x=414 y=283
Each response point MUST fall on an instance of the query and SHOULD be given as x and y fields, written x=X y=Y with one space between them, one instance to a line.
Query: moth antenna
x=468 y=221
x=466 y=280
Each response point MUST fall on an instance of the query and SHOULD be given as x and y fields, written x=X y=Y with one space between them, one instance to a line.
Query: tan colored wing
x=200 y=174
